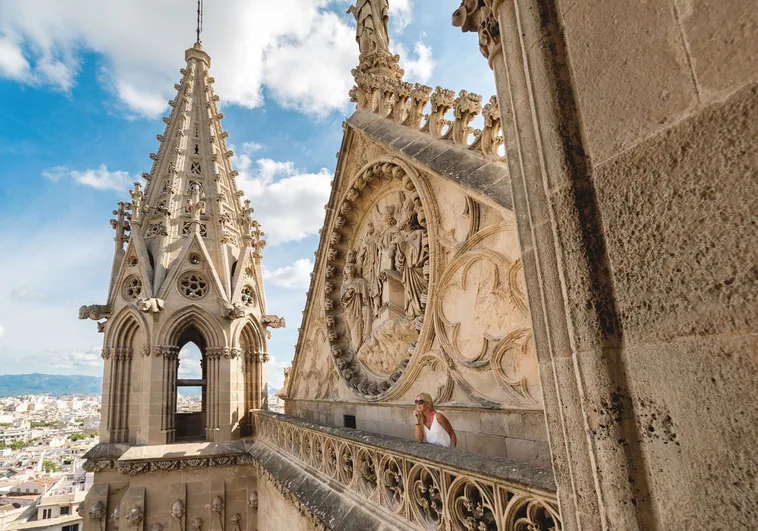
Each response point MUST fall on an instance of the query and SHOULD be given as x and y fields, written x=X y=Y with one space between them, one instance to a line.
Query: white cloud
x=288 y=203
x=295 y=276
x=189 y=362
x=418 y=68
x=248 y=148
x=78 y=361
x=300 y=50
x=12 y=62
x=2 y=330
x=401 y=13
x=99 y=179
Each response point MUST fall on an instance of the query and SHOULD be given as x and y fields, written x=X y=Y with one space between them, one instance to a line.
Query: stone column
x=250 y=384
x=169 y=368
x=116 y=405
x=124 y=356
x=565 y=260
x=213 y=356
x=107 y=400
x=262 y=381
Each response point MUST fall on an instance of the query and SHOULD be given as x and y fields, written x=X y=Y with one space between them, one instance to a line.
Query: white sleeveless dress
x=436 y=434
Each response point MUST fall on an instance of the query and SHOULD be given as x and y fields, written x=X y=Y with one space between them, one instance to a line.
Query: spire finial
x=199 y=19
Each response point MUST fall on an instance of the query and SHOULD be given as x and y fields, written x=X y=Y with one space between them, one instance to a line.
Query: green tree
x=17 y=445
x=49 y=466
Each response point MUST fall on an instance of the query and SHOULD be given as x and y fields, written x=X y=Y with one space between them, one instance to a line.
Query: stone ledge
x=311 y=495
x=513 y=472
x=135 y=460
x=483 y=175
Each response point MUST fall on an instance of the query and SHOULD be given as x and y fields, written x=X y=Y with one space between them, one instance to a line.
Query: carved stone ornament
x=177 y=510
x=235 y=311
x=116 y=517
x=478 y=16
x=217 y=506
x=253 y=501
x=97 y=511
x=273 y=321
x=197 y=524
x=151 y=305
x=236 y=518
x=377 y=294
x=95 y=312
x=135 y=516
x=156 y=527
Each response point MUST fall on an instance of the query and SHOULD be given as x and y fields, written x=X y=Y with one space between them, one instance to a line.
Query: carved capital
x=121 y=353
x=215 y=353
x=167 y=352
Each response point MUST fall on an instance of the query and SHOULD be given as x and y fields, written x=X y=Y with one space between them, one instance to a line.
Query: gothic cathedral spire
x=190 y=272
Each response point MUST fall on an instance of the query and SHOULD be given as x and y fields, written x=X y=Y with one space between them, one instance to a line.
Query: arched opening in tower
x=191 y=387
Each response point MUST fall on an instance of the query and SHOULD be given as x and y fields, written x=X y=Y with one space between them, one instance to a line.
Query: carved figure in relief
x=369 y=265
x=387 y=240
x=371 y=17
x=411 y=255
x=356 y=301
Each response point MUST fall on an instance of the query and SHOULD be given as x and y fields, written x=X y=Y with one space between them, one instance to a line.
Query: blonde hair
x=427 y=398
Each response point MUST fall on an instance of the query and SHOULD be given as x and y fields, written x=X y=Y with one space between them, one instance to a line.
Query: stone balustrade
x=417 y=486
x=405 y=103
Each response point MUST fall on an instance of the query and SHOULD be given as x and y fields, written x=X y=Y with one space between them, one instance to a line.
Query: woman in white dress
x=431 y=426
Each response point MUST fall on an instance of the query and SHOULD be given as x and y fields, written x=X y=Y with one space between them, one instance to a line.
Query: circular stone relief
x=192 y=285
x=377 y=279
x=132 y=288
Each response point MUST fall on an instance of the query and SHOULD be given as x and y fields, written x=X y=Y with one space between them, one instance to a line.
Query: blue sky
x=83 y=86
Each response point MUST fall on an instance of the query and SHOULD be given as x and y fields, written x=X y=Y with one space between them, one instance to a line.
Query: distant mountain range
x=52 y=384
x=49 y=384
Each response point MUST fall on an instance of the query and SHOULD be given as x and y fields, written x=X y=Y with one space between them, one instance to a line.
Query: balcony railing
x=421 y=486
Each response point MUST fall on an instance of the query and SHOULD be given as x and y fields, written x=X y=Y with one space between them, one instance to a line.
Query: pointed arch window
x=191 y=388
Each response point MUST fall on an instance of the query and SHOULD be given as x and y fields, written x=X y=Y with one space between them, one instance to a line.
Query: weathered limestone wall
x=277 y=512
x=156 y=493
x=635 y=188
x=517 y=435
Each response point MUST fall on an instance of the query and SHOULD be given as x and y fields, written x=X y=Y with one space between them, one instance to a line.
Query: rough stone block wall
x=668 y=93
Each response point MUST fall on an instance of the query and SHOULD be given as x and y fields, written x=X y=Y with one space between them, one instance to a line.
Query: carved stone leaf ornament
x=378 y=276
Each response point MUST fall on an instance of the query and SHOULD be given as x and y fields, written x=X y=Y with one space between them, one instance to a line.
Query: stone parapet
x=405 y=104
x=422 y=485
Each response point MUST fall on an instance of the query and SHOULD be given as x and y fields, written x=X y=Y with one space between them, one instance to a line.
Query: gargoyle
x=94 y=312
x=273 y=321
x=152 y=305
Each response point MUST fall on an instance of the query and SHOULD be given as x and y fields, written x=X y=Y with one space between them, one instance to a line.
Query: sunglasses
x=419 y=402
